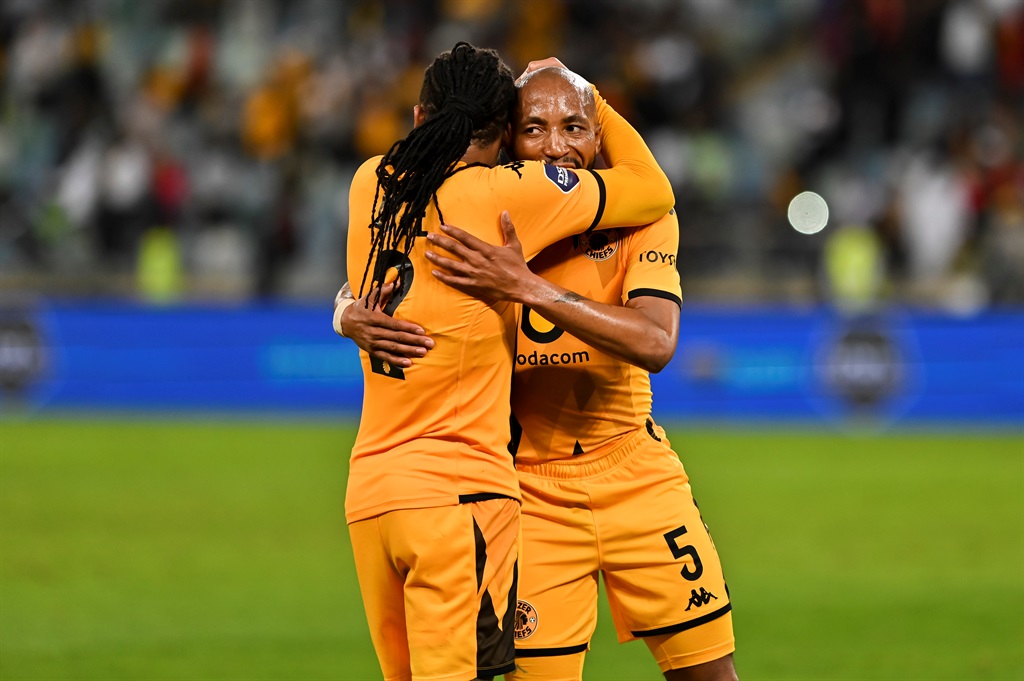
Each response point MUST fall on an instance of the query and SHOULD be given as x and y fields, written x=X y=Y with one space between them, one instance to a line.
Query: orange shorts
x=630 y=516
x=439 y=589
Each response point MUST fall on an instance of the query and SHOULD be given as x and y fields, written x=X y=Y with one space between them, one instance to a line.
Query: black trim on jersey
x=481 y=496
x=602 y=195
x=650 y=431
x=516 y=431
x=551 y=652
x=654 y=293
x=683 y=626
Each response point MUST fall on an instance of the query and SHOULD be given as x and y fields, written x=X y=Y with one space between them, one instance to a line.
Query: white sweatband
x=338 y=312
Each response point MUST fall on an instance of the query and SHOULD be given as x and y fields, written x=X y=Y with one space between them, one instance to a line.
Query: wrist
x=339 y=312
x=538 y=292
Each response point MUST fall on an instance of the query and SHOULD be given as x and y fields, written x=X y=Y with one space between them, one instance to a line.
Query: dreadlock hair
x=467 y=96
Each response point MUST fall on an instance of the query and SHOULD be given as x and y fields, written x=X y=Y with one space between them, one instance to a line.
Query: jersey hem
x=427 y=502
x=577 y=469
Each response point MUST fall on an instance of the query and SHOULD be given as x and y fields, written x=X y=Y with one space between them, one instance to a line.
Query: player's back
x=434 y=431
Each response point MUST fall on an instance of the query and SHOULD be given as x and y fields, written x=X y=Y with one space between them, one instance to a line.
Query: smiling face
x=556 y=120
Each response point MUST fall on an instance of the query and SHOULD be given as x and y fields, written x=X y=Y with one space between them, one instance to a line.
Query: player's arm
x=382 y=336
x=642 y=332
x=549 y=203
x=633 y=172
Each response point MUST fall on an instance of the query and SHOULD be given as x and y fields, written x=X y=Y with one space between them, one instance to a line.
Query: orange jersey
x=439 y=430
x=570 y=399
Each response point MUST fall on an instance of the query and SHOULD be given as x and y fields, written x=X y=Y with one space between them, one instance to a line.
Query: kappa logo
x=564 y=179
x=515 y=166
x=526 y=620
x=699 y=599
x=599 y=246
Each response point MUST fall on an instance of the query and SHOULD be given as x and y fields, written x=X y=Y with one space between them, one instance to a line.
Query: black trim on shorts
x=481 y=496
x=683 y=626
x=495 y=641
x=551 y=652
x=654 y=293
x=602 y=195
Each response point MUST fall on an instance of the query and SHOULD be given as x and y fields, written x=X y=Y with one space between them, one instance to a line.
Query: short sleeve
x=651 y=265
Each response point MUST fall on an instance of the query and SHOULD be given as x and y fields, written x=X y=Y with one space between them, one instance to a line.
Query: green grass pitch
x=178 y=549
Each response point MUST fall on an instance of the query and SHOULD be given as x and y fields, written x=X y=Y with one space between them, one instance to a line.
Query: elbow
x=658 y=356
x=667 y=195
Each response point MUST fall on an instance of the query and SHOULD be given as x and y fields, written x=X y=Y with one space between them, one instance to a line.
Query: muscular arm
x=643 y=332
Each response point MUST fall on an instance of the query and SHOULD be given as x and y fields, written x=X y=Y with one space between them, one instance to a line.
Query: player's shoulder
x=366 y=174
x=534 y=172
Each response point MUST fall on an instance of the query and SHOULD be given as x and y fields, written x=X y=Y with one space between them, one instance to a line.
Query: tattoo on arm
x=569 y=297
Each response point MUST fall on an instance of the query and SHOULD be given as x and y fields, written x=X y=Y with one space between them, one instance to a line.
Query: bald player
x=603 y=492
x=432 y=500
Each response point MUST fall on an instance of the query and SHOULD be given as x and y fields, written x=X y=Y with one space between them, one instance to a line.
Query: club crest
x=599 y=246
x=526 y=620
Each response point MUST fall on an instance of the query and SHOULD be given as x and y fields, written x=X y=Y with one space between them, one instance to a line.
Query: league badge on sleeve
x=564 y=179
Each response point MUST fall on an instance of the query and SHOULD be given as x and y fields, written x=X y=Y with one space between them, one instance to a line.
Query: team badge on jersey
x=564 y=179
x=526 y=620
x=599 y=246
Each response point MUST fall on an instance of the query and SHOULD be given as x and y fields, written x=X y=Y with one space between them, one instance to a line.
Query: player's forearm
x=638 y=191
x=624 y=333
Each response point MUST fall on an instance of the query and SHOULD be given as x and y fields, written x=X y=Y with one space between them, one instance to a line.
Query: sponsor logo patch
x=601 y=245
x=526 y=620
x=564 y=179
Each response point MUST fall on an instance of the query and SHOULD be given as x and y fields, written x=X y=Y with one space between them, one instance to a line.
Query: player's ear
x=419 y=116
x=597 y=137
x=506 y=137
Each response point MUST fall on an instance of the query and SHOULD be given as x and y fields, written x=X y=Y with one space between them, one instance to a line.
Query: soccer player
x=433 y=500
x=602 y=489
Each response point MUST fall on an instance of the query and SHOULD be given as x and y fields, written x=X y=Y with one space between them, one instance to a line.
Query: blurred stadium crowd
x=201 y=149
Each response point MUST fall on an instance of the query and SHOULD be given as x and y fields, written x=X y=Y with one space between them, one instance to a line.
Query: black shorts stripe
x=682 y=626
x=654 y=293
x=495 y=645
x=602 y=195
x=551 y=652
x=481 y=496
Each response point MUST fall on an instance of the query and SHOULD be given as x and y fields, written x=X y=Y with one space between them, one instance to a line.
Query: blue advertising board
x=778 y=364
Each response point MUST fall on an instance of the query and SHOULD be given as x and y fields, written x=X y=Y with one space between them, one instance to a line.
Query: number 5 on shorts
x=681 y=551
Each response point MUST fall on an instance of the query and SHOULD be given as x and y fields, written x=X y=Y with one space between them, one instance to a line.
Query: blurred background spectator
x=201 y=149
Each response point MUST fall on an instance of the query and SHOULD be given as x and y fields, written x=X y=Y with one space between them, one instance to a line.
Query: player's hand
x=541 y=64
x=483 y=270
x=392 y=340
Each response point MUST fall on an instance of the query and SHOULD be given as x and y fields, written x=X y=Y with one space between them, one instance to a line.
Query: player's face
x=555 y=125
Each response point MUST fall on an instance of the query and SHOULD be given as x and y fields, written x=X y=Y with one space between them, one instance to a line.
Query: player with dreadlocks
x=432 y=500
x=461 y=102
